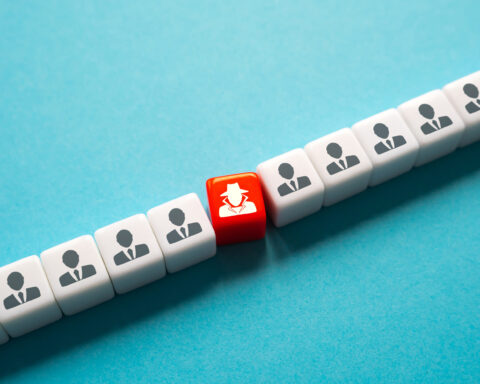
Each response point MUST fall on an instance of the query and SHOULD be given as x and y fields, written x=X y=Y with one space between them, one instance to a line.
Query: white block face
x=389 y=143
x=131 y=253
x=3 y=336
x=342 y=164
x=464 y=94
x=291 y=186
x=27 y=302
x=77 y=275
x=183 y=231
x=436 y=125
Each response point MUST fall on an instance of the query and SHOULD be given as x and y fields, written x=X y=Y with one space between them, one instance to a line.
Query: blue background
x=110 y=108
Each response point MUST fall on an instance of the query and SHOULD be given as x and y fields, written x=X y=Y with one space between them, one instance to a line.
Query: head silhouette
x=70 y=259
x=470 y=90
x=124 y=238
x=15 y=281
x=285 y=170
x=334 y=150
x=381 y=130
x=176 y=216
x=426 y=111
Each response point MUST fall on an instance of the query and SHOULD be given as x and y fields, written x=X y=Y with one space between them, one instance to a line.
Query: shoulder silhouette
x=194 y=228
x=11 y=302
x=333 y=168
x=88 y=270
x=173 y=236
x=66 y=279
x=472 y=107
x=120 y=258
x=352 y=160
x=141 y=250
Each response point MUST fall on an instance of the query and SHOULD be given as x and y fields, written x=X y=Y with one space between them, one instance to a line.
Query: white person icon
x=235 y=202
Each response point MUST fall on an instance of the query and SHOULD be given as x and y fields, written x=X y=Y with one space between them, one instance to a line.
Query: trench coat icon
x=235 y=202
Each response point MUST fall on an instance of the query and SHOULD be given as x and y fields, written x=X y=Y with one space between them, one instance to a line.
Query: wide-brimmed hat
x=233 y=188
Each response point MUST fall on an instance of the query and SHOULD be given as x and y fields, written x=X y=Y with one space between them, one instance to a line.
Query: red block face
x=237 y=209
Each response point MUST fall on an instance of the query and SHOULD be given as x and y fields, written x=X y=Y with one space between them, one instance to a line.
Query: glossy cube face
x=26 y=302
x=183 y=231
x=464 y=94
x=342 y=164
x=77 y=275
x=237 y=209
x=291 y=186
x=389 y=144
x=436 y=125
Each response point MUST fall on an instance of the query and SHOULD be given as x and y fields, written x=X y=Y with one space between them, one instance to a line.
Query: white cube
x=389 y=143
x=183 y=231
x=464 y=94
x=436 y=125
x=342 y=164
x=77 y=275
x=131 y=253
x=291 y=187
x=27 y=301
x=3 y=336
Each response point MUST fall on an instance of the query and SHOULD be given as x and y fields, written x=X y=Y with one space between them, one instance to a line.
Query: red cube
x=237 y=209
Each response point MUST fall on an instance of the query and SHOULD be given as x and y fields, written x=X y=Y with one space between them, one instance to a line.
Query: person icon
x=235 y=202
x=177 y=217
x=382 y=131
x=286 y=171
x=70 y=258
x=472 y=91
x=433 y=125
x=125 y=239
x=15 y=281
x=335 y=151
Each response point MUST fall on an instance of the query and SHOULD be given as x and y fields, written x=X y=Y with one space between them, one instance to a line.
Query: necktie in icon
x=130 y=252
x=435 y=124
x=292 y=183
x=389 y=143
x=20 y=295
x=342 y=163
x=77 y=274
x=184 y=232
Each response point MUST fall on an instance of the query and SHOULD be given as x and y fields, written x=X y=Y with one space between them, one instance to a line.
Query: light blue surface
x=110 y=108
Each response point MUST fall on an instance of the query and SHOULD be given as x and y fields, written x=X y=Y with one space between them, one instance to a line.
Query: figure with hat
x=235 y=202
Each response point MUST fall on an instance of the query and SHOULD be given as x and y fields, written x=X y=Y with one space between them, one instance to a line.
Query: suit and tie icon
x=125 y=239
x=433 y=125
x=286 y=171
x=472 y=91
x=177 y=217
x=16 y=281
x=335 y=151
x=71 y=259
x=387 y=144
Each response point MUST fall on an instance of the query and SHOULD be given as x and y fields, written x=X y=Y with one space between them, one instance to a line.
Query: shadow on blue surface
x=231 y=262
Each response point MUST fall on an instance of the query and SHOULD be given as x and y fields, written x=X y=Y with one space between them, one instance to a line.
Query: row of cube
x=373 y=151
x=84 y=272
